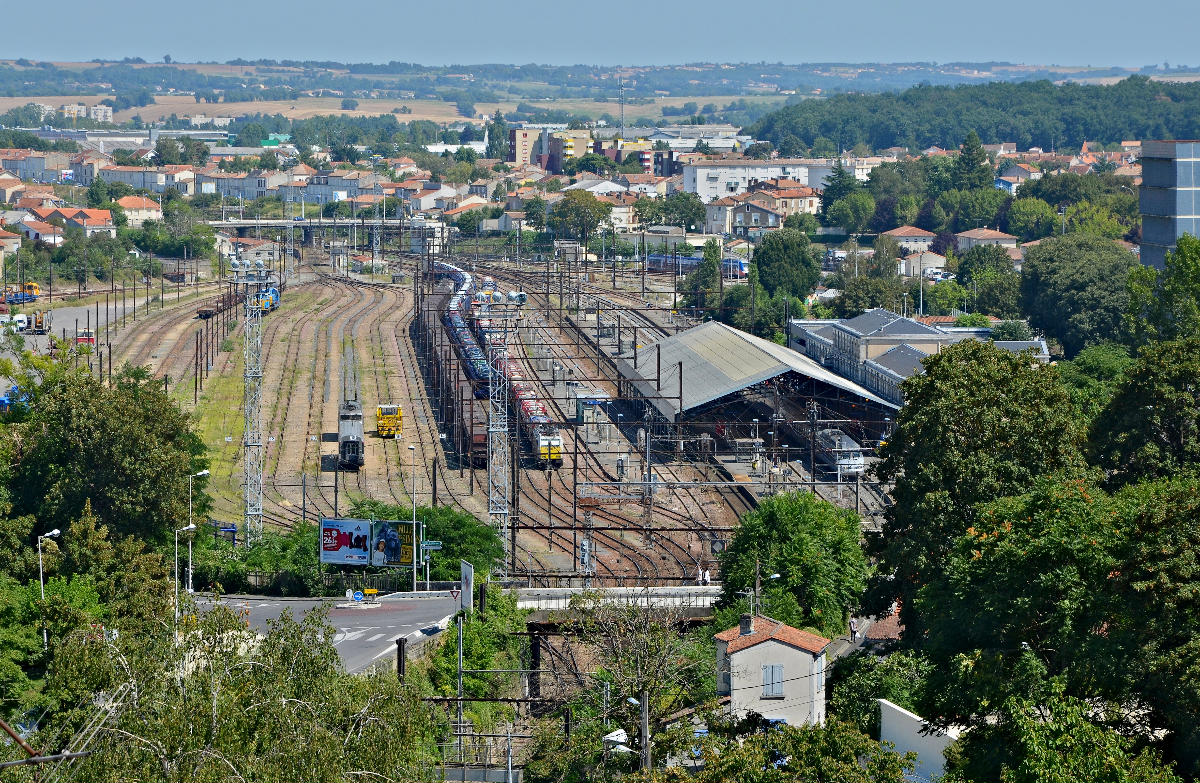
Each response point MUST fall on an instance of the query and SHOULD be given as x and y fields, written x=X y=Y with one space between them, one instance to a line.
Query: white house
x=711 y=179
x=773 y=669
x=983 y=236
x=911 y=238
x=139 y=209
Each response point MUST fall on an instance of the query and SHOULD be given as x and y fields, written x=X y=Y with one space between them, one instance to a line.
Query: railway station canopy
x=717 y=361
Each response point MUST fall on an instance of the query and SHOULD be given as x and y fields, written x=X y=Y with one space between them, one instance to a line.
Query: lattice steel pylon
x=291 y=241
x=252 y=279
x=499 y=429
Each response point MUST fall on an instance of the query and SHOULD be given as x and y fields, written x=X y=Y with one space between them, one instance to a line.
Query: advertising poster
x=345 y=541
x=392 y=543
x=467 y=580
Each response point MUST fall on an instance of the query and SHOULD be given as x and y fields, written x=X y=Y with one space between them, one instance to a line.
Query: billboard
x=392 y=543
x=345 y=541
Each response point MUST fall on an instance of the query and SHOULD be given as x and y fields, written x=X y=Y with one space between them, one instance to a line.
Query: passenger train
x=473 y=334
x=657 y=262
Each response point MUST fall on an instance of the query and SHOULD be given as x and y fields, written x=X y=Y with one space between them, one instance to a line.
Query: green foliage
x=839 y=184
x=1149 y=427
x=787 y=263
x=578 y=214
x=975 y=320
x=1091 y=378
x=813 y=546
x=852 y=212
x=679 y=209
x=131 y=441
x=1075 y=289
x=1011 y=330
x=802 y=221
x=1056 y=741
x=226 y=704
x=834 y=753
x=862 y=677
x=490 y=641
x=1031 y=218
x=860 y=294
x=983 y=258
x=1166 y=305
x=978 y=424
x=1094 y=220
x=535 y=213
x=971 y=167
x=349 y=104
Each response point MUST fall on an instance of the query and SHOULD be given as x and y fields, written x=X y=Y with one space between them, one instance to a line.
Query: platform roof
x=719 y=360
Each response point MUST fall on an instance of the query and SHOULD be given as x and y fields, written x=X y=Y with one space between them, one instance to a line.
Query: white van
x=22 y=321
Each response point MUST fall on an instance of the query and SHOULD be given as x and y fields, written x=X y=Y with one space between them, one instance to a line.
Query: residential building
x=91 y=221
x=922 y=263
x=524 y=145
x=565 y=145
x=911 y=238
x=880 y=349
x=100 y=113
x=800 y=200
x=139 y=209
x=137 y=177
x=10 y=243
x=712 y=179
x=621 y=217
x=718 y=215
x=772 y=669
x=37 y=231
x=750 y=219
x=976 y=237
x=1169 y=196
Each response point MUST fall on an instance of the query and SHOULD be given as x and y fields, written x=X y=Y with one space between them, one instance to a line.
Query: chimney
x=746 y=626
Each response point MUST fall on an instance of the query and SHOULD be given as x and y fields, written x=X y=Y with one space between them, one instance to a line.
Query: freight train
x=473 y=336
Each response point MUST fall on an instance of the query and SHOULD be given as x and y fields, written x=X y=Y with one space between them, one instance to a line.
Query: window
x=821 y=661
x=772 y=681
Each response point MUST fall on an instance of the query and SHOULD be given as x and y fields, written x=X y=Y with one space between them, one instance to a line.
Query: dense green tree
x=971 y=168
x=1091 y=378
x=839 y=184
x=861 y=677
x=944 y=297
x=1012 y=330
x=497 y=135
x=1075 y=289
x=833 y=753
x=980 y=258
x=1150 y=428
x=167 y=152
x=577 y=215
x=1031 y=218
x=787 y=263
x=813 y=546
x=251 y=134
x=227 y=704
x=131 y=441
x=1166 y=305
x=702 y=288
x=863 y=293
x=535 y=213
x=683 y=209
x=977 y=424
x=1056 y=741
x=802 y=221
x=853 y=212
x=590 y=162
x=1094 y=220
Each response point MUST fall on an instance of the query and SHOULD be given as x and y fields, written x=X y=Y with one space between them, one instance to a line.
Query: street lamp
x=177 y=532
x=192 y=523
x=412 y=451
x=42 y=582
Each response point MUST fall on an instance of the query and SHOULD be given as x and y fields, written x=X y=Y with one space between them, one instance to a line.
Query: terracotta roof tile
x=765 y=629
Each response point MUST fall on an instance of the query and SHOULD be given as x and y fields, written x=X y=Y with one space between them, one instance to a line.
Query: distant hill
x=1040 y=113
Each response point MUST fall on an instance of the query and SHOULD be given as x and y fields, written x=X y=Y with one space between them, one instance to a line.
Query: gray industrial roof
x=903 y=360
x=719 y=360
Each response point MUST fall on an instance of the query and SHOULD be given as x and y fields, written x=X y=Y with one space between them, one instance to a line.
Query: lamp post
x=42 y=582
x=177 y=532
x=192 y=523
x=412 y=451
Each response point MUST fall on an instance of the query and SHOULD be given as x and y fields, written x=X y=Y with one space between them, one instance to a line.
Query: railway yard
x=585 y=517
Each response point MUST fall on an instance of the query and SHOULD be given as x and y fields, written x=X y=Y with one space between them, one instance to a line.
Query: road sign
x=454 y=594
x=358 y=596
x=349 y=595
x=431 y=545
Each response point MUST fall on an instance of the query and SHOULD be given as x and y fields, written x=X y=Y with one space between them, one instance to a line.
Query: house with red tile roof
x=773 y=669
x=911 y=238
x=139 y=209
x=37 y=231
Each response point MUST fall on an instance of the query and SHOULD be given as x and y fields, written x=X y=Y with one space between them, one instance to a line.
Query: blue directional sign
x=358 y=596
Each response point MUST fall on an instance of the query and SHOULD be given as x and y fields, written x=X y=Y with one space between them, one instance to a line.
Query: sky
x=629 y=32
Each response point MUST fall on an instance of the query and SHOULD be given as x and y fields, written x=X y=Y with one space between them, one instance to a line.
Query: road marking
x=353 y=635
x=376 y=637
x=339 y=636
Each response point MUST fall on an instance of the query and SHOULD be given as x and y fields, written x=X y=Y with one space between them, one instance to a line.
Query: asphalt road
x=364 y=633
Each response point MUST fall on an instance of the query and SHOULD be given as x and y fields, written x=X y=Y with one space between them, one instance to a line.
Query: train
x=351 y=453
x=389 y=420
x=473 y=334
x=658 y=262
x=840 y=452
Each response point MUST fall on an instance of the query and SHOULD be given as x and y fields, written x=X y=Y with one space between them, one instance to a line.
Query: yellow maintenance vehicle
x=388 y=421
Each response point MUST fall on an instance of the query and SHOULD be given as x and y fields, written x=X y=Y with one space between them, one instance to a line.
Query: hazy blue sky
x=1074 y=32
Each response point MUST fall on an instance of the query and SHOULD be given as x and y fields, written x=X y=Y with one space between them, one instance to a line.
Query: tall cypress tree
x=971 y=169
